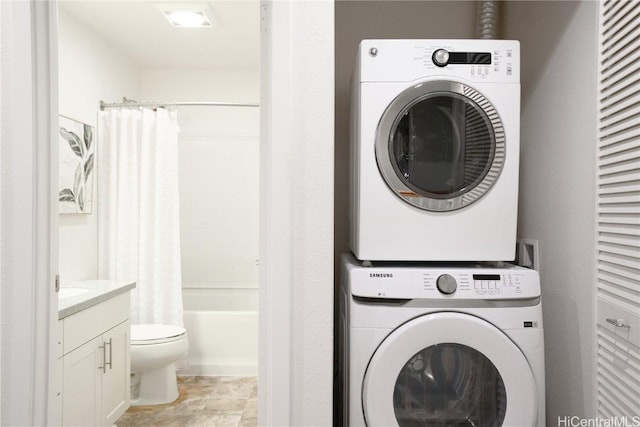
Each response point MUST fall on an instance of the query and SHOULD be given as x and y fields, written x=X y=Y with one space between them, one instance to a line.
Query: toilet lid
x=154 y=334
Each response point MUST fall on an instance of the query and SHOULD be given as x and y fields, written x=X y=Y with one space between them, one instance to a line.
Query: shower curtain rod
x=132 y=103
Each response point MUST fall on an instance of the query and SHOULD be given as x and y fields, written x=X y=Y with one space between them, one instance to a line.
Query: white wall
x=89 y=71
x=557 y=185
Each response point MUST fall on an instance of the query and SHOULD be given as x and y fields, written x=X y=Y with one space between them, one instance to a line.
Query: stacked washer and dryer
x=435 y=328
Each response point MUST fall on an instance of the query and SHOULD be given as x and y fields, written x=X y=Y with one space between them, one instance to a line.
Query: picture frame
x=76 y=161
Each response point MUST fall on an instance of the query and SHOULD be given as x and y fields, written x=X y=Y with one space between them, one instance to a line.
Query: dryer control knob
x=446 y=284
x=440 y=57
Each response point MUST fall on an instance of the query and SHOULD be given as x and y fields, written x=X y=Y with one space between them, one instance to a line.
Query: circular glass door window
x=440 y=146
x=449 y=384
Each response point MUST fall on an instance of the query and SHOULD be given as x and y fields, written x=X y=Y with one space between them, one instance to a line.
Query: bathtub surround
x=138 y=226
x=218 y=154
x=219 y=243
x=218 y=205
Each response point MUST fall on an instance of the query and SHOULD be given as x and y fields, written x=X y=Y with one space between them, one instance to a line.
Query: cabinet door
x=57 y=401
x=81 y=386
x=116 y=380
x=617 y=355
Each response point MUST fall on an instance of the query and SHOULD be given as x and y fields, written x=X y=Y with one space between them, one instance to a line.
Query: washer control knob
x=446 y=284
x=440 y=57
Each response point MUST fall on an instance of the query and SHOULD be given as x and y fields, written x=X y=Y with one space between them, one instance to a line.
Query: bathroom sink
x=71 y=292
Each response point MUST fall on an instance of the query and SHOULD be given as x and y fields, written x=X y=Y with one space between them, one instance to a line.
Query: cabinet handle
x=619 y=323
x=104 y=358
x=110 y=354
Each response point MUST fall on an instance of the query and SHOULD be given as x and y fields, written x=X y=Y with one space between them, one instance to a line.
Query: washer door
x=440 y=145
x=449 y=369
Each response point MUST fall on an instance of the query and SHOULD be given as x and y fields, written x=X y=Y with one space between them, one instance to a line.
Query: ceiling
x=140 y=31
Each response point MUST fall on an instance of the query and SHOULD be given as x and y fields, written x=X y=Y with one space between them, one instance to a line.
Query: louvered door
x=618 y=222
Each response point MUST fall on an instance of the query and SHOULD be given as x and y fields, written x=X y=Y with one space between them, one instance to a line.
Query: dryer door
x=449 y=369
x=440 y=145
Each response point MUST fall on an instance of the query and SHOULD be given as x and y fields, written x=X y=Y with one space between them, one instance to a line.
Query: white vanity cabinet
x=96 y=363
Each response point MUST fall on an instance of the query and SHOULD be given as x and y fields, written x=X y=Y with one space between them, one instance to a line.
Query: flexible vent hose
x=488 y=15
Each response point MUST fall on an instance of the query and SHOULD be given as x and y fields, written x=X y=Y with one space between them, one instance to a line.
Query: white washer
x=435 y=150
x=440 y=345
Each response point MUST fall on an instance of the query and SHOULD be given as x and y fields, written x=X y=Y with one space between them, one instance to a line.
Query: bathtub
x=222 y=327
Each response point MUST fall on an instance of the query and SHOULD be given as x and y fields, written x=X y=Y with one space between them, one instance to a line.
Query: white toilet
x=154 y=351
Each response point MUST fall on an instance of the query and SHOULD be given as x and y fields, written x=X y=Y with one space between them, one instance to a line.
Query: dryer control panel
x=477 y=60
x=473 y=283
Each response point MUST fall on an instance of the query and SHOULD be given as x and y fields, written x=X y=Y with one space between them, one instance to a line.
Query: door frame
x=295 y=380
x=28 y=220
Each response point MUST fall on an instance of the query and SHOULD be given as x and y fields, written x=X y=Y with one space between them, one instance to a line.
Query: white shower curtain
x=138 y=205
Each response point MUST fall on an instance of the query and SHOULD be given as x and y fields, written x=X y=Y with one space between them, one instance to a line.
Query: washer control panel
x=481 y=284
x=445 y=283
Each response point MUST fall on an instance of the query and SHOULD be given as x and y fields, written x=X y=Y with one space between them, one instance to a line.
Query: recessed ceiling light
x=187 y=15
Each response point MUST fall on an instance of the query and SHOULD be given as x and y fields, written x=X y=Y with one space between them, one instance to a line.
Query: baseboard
x=232 y=370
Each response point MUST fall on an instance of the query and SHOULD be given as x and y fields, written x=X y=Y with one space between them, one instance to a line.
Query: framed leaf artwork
x=76 y=166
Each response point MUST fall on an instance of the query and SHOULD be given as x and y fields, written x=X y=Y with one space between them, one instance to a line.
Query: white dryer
x=424 y=345
x=435 y=150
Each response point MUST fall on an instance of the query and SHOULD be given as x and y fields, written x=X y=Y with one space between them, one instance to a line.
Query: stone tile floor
x=203 y=402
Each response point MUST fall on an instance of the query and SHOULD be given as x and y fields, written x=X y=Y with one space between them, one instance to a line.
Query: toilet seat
x=156 y=334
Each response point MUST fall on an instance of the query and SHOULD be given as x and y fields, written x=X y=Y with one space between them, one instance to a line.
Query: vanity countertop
x=96 y=292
